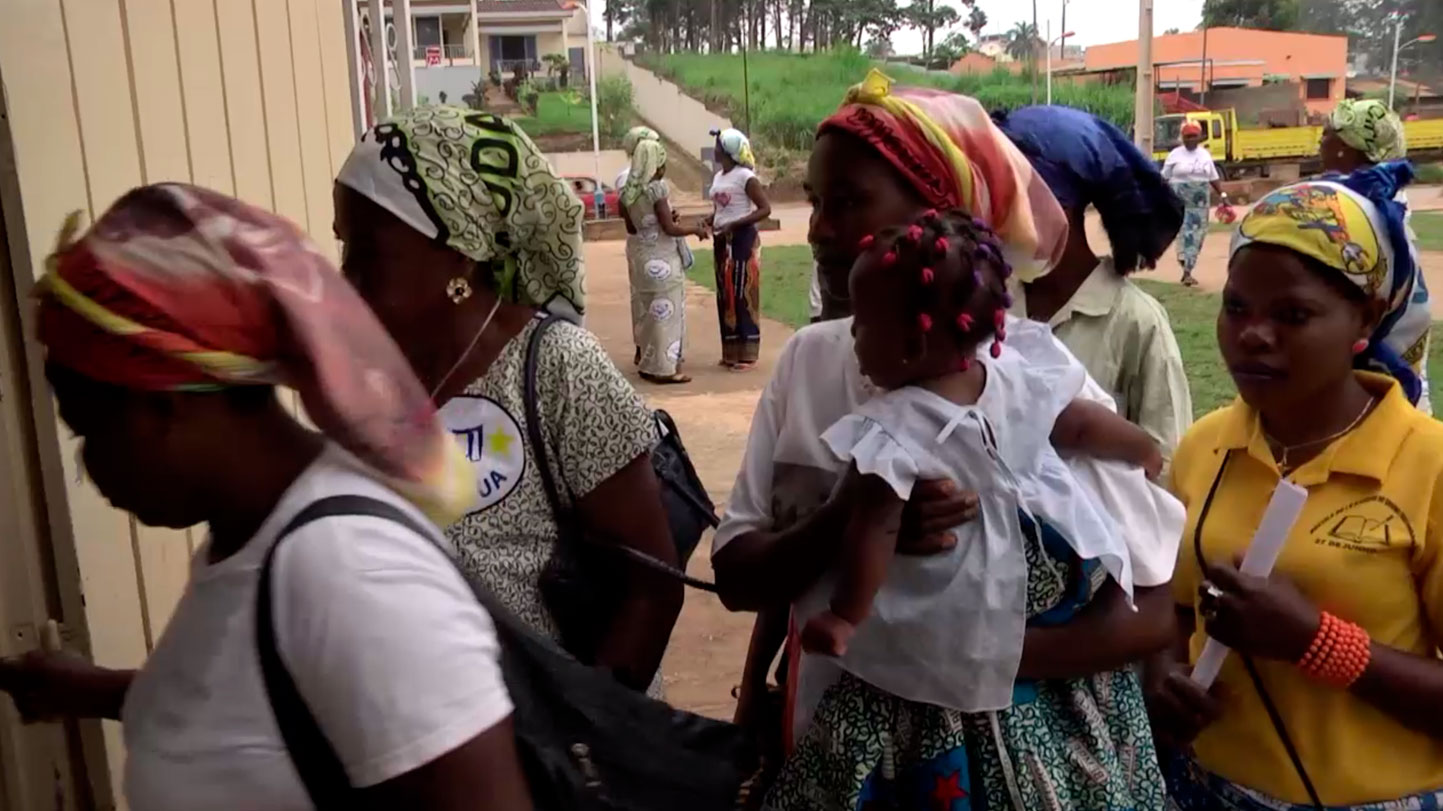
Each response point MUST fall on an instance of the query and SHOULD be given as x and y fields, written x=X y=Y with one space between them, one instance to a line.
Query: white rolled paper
x=1268 y=540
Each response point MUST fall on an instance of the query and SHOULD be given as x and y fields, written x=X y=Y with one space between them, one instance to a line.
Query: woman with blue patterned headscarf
x=1120 y=333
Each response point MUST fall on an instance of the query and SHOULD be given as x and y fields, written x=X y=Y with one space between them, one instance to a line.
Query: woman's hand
x=1257 y=616
x=935 y=509
x=1178 y=707
x=52 y=686
x=723 y=230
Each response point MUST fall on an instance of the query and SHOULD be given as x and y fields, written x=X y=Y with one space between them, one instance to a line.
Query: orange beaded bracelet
x=1339 y=654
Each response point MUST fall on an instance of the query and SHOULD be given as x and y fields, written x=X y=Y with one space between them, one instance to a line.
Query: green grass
x=791 y=93
x=787 y=279
x=1429 y=225
x=557 y=112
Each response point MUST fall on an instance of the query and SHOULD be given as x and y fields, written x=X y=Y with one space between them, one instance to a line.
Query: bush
x=792 y=93
x=1430 y=173
x=613 y=105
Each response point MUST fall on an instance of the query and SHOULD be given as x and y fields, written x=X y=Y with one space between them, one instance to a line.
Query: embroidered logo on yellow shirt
x=1371 y=524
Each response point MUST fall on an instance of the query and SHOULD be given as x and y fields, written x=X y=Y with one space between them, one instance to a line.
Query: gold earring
x=458 y=290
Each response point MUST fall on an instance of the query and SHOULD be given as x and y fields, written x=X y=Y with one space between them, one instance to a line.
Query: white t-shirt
x=386 y=643
x=622 y=178
x=729 y=195
x=1189 y=166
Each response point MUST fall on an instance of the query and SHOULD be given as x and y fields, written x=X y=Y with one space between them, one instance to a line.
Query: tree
x=928 y=16
x=1171 y=31
x=949 y=50
x=1022 y=41
x=617 y=13
x=976 y=21
x=1275 y=15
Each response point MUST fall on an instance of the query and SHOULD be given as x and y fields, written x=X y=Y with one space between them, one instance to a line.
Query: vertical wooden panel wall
x=250 y=97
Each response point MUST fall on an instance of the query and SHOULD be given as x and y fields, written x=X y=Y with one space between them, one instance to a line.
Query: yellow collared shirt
x=1365 y=549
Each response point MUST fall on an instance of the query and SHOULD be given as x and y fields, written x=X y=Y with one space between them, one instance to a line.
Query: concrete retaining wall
x=679 y=117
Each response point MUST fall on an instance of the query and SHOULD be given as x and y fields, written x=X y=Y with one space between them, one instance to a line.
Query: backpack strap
x=315 y=759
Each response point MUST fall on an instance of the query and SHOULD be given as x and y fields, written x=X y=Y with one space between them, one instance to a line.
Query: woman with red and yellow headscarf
x=167 y=327
x=1075 y=736
x=1192 y=173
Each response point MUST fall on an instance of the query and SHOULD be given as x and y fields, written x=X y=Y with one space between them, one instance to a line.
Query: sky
x=1092 y=21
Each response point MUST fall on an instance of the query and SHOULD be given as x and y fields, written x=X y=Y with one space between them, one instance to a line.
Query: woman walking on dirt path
x=1193 y=175
x=1120 y=333
x=657 y=258
x=739 y=204
x=460 y=266
x=885 y=159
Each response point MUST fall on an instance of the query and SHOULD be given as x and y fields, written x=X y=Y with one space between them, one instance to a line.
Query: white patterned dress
x=658 y=287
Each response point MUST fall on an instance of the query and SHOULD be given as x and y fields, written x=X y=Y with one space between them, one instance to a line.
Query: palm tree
x=1022 y=41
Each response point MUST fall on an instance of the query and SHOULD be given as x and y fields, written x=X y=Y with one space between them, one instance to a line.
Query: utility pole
x=1062 y=48
x=1202 y=87
x=1032 y=51
x=1146 y=83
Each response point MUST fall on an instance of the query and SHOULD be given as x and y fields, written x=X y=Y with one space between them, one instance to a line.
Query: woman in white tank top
x=739 y=204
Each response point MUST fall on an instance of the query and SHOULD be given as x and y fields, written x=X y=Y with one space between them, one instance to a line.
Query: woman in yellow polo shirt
x=1333 y=694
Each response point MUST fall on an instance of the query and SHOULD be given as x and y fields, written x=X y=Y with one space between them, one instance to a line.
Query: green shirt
x=1123 y=337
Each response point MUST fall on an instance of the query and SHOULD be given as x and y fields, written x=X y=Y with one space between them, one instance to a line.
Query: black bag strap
x=566 y=520
x=315 y=759
x=1272 y=709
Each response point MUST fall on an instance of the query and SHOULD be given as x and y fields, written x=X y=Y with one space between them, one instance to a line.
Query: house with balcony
x=458 y=43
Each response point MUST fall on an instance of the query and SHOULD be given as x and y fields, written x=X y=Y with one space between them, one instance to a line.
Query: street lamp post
x=1062 y=38
x=1397 y=35
x=599 y=195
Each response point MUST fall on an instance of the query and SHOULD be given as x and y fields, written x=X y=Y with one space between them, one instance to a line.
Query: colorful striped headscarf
x=1371 y=128
x=179 y=288
x=1087 y=161
x=646 y=161
x=737 y=146
x=947 y=147
x=1352 y=224
x=475 y=183
x=636 y=135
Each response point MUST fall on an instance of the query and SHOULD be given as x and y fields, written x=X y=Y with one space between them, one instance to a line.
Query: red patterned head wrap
x=948 y=149
x=179 y=288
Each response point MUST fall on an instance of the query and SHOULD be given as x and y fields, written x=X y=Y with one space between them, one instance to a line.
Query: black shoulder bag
x=581 y=582
x=585 y=741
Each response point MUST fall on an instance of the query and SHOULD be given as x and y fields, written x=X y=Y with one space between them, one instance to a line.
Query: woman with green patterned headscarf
x=1362 y=133
x=633 y=136
x=657 y=258
x=458 y=233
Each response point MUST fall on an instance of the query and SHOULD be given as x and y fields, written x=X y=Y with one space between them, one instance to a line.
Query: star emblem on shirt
x=500 y=443
x=947 y=790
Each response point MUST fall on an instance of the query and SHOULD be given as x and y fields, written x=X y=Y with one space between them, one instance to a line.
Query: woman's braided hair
x=954 y=265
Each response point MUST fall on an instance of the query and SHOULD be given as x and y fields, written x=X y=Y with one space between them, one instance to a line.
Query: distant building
x=976 y=63
x=1238 y=57
x=994 y=46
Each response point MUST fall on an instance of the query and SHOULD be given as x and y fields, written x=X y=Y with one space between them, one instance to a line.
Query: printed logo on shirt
x=722 y=198
x=492 y=441
x=658 y=269
x=662 y=309
x=1372 y=524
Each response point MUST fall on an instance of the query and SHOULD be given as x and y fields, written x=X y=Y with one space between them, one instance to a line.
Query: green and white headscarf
x=475 y=183
x=636 y=135
x=1371 y=128
x=646 y=161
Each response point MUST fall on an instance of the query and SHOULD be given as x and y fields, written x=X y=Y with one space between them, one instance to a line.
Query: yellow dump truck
x=1241 y=152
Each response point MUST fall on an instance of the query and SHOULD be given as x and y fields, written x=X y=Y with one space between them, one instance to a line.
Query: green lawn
x=1429 y=225
x=787 y=278
x=559 y=111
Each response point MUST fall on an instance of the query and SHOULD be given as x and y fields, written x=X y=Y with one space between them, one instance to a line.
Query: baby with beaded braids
x=957 y=401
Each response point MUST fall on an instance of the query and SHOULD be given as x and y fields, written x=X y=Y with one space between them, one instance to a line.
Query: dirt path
x=714 y=414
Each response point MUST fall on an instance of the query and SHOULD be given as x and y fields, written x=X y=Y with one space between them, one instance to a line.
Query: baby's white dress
x=947 y=629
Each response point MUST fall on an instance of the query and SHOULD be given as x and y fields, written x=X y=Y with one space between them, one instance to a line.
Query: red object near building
x=585 y=190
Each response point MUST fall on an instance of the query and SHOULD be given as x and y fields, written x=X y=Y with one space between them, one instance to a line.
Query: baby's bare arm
x=1094 y=430
x=868 y=544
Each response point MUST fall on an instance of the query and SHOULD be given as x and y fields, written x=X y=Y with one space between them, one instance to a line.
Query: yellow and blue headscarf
x=1353 y=224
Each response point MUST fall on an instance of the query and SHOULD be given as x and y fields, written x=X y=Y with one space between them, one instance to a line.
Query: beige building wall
x=250 y=97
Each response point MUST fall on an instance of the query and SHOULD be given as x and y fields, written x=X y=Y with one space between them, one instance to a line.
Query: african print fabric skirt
x=1196 y=196
x=1193 y=788
x=658 y=303
x=739 y=294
